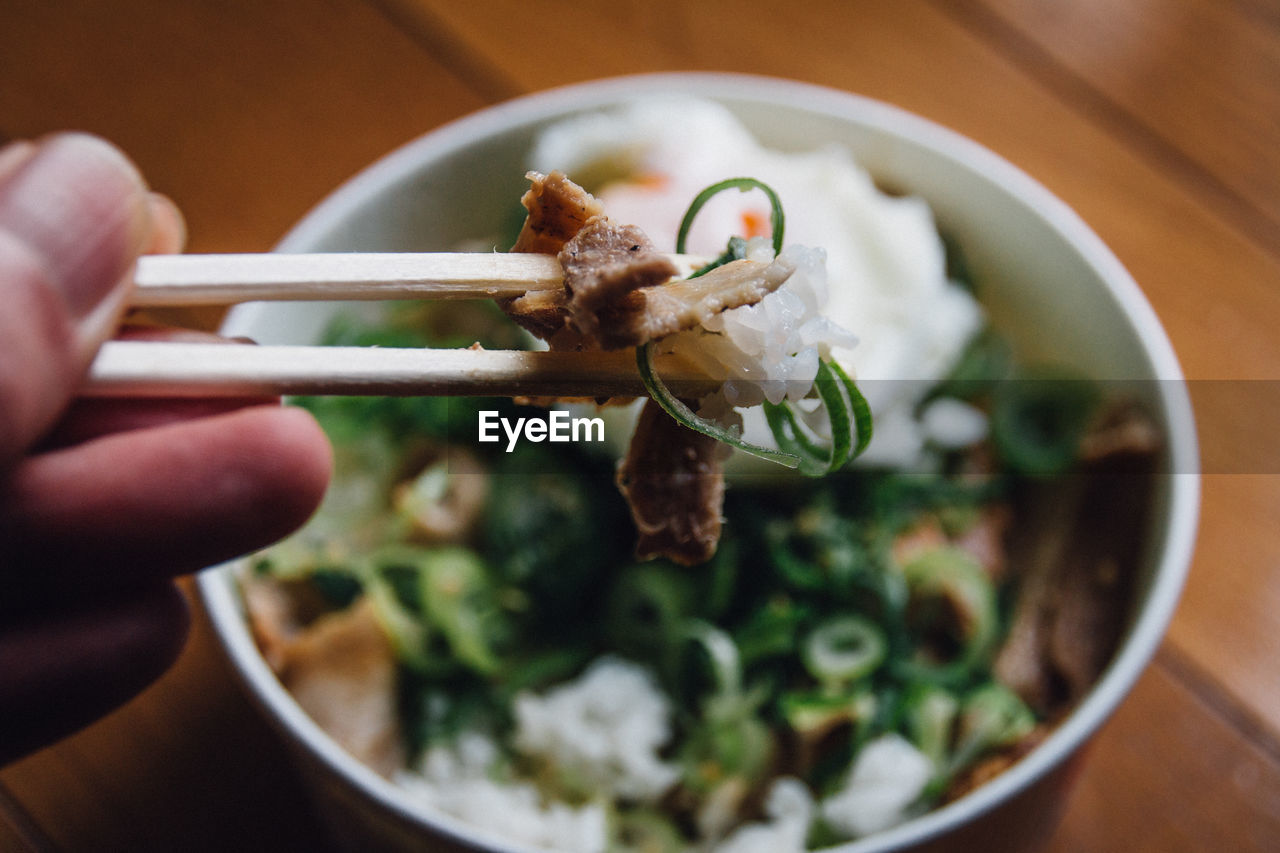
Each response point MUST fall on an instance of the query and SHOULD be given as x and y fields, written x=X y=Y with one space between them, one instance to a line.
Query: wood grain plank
x=1169 y=774
x=1211 y=115
x=245 y=113
x=18 y=832
x=1209 y=282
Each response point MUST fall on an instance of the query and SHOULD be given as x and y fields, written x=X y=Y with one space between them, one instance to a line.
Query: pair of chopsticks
x=173 y=369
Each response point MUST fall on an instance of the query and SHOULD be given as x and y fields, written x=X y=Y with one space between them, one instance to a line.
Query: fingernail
x=14 y=155
x=168 y=227
x=83 y=210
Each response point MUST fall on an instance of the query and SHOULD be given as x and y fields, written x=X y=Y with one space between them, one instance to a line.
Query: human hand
x=102 y=502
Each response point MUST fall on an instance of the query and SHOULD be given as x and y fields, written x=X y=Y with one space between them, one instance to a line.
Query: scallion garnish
x=847 y=410
x=737 y=246
x=677 y=409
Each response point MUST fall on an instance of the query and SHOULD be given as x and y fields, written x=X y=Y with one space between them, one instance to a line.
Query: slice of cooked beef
x=543 y=314
x=993 y=765
x=278 y=612
x=985 y=540
x=655 y=312
x=558 y=208
x=1077 y=546
x=603 y=264
x=674 y=482
x=342 y=671
x=1043 y=536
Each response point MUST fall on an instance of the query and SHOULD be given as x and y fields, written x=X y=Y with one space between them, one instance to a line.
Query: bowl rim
x=1180 y=526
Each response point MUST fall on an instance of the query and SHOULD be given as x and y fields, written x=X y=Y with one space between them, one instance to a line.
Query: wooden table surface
x=1159 y=121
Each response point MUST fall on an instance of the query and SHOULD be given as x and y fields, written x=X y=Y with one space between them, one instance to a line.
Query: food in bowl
x=860 y=648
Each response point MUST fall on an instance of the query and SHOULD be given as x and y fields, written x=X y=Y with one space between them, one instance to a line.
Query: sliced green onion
x=844 y=650
x=417 y=592
x=991 y=717
x=861 y=409
x=771 y=631
x=458 y=598
x=956 y=578
x=815 y=714
x=720 y=654
x=408 y=632
x=776 y=218
x=641 y=830
x=1039 y=418
x=794 y=570
x=646 y=609
x=848 y=412
x=929 y=715
x=723 y=749
x=677 y=409
x=338 y=587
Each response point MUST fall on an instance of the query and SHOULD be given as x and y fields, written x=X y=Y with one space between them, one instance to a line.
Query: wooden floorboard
x=1170 y=775
x=246 y=113
x=1211 y=118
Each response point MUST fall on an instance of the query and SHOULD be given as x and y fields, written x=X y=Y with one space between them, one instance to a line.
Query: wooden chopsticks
x=169 y=280
x=162 y=369
x=171 y=369
x=173 y=280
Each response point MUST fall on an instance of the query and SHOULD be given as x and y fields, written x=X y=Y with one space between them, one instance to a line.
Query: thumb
x=74 y=214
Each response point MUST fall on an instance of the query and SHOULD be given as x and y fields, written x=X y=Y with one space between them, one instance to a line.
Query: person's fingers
x=73 y=216
x=87 y=418
x=161 y=501
x=67 y=667
x=13 y=155
x=168 y=227
x=175 y=333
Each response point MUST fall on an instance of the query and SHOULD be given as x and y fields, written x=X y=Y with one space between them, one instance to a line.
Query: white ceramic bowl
x=1045 y=278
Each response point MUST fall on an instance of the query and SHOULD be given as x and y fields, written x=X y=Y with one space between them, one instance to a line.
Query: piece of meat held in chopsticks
x=673 y=481
x=619 y=290
x=606 y=267
x=557 y=209
x=621 y=293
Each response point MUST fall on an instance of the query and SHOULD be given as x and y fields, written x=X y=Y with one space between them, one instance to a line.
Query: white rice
x=953 y=424
x=456 y=780
x=769 y=350
x=605 y=727
x=789 y=809
x=888 y=776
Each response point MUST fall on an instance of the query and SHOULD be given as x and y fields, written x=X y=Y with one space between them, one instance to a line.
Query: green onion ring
x=776 y=219
x=722 y=654
x=677 y=409
x=844 y=649
x=847 y=410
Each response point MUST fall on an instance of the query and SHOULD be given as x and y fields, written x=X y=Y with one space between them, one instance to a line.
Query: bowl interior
x=1045 y=278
